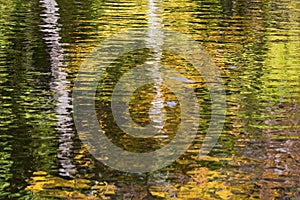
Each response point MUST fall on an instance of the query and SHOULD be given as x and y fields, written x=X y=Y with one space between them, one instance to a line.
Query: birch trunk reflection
x=59 y=85
x=155 y=41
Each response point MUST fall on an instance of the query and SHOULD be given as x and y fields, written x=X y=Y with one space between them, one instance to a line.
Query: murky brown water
x=255 y=46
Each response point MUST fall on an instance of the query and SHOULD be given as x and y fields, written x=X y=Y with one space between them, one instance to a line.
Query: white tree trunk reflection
x=59 y=85
x=154 y=42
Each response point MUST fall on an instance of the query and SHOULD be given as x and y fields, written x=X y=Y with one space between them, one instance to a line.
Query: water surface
x=254 y=44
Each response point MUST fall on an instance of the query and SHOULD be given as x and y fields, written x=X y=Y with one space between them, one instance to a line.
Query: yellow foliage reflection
x=45 y=185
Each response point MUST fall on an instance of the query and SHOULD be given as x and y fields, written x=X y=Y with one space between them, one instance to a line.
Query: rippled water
x=255 y=46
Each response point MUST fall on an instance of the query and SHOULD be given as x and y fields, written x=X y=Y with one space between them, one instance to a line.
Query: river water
x=255 y=47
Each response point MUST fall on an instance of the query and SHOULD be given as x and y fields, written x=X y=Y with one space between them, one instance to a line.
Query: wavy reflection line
x=155 y=41
x=59 y=84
